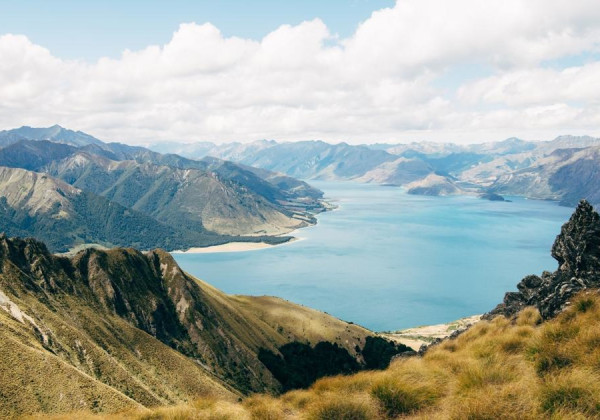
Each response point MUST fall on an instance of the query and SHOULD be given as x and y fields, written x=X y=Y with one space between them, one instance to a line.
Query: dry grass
x=517 y=369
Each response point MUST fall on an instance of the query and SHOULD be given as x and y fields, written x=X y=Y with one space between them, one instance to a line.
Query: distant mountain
x=313 y=159
x=562 y=169
x=398 y=172
x=381 y=163
x=508 y=167
x=120 y=329
x=303 y=159
x=189 y=198
x=433 y=185
x=567 y=175
x=192 y=202
x=56 y=133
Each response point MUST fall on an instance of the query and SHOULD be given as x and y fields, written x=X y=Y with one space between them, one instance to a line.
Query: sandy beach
x=233 y=247
x=417 y=336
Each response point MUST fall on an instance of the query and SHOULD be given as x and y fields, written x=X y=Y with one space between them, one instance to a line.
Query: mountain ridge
x=192 y=203
x=124 y=323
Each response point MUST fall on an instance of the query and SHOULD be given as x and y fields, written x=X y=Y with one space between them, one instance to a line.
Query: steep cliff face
x=577 y=250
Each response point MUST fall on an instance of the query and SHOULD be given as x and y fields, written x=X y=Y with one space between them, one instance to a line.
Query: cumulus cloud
x=384 y=83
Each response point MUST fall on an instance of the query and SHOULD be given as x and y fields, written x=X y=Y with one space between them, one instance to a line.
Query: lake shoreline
x=389 y=260
x=235 y=247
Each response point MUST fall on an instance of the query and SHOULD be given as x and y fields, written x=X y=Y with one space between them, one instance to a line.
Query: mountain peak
x=55 y=133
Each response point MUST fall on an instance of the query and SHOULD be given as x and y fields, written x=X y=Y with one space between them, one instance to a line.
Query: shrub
x=301 y=365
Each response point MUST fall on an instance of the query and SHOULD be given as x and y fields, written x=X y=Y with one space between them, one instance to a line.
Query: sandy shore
x=415 y=337
x=233 y=247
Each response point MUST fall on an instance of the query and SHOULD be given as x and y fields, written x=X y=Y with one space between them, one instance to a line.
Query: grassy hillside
x=118 y=329
x=34 y=204
x=300 y=323
x=519 y=369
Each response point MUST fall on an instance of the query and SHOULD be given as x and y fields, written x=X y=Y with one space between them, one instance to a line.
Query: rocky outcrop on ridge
x=577 y=250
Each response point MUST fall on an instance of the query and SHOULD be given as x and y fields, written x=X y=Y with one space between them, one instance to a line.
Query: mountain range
x=561 y=169
x=114 y=194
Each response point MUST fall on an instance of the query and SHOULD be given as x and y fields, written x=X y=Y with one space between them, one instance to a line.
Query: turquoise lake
x=389 y=260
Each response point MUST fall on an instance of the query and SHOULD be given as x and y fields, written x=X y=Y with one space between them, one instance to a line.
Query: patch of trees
x=299 y=365
x=378 y=352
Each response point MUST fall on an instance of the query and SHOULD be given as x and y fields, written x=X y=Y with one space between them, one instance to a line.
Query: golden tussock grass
x=509 y=369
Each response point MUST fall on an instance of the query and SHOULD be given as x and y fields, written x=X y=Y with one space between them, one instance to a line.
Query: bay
x=389 y=260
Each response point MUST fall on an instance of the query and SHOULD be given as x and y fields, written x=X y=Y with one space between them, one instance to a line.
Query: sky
x=359 y=71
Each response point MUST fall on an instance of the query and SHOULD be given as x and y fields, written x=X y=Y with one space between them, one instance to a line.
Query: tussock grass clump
x=575 y=391
x=354 y=383
x=584 y=304
x=529 y=316
x=398 y=397
x=342 y=408
x=264 y=407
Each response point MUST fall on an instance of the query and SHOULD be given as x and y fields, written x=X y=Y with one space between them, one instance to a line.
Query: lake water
x=389 y=260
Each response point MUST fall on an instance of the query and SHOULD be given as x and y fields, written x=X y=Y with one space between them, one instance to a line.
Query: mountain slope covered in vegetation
x=121 y=329
x=187 y=203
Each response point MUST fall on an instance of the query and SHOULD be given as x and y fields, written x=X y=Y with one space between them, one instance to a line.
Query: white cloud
x=537 y=86
x=301 y=82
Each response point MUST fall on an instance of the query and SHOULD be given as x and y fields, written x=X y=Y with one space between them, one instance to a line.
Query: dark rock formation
x=577 y=250
x=492 y=196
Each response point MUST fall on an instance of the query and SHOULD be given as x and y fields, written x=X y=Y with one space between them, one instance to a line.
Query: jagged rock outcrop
x=577 y=250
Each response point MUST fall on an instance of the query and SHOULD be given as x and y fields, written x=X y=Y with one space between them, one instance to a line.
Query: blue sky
x=92 y=29
x=358 y=71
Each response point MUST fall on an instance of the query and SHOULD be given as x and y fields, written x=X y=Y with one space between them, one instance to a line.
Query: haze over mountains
x=132 y=196
x=209 y=194
x=561 y=169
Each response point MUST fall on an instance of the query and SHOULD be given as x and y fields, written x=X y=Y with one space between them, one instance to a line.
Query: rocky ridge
x=577 y=250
